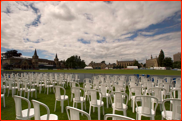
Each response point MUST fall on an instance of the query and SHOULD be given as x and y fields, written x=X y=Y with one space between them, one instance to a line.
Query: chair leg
x=113 y=111
x=124 y=112
x=68 y=101
x=47 y=90
x=93 y=109
x=107 y=102
x=82 y=107
x=90 y=109
x=85 y=104
x=28 y=94
x=62 y=106
x=103 y=109
x=4 y=100
x=55 y=105
x=152 y=118
x=98 y=113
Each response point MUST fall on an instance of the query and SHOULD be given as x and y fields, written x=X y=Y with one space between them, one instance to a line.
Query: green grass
x=8 y=113
x=117 y=71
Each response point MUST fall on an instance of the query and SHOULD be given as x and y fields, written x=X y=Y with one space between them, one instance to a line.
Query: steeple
x=35 y=53
x=151 y=57
x=56 y=56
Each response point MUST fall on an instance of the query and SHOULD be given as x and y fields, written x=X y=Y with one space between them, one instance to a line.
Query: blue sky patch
x=84 y=41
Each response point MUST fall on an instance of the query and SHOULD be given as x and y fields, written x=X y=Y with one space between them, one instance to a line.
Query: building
x=177 y=57
x=152 y=62
x=31 y=63
x=97 y=65
x=124 y=63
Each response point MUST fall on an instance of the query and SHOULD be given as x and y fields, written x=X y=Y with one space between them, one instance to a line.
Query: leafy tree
x=136 y=64
x=177 y=64
x=75 y=62
x=103 y=62
x=161 y=58
x=167 y=62
x=11 y=53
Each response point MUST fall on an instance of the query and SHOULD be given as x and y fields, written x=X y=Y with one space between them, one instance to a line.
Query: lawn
x=117 y=71
x=8 y=113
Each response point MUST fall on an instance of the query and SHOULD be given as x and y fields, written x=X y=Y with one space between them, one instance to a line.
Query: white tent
x=88 y=67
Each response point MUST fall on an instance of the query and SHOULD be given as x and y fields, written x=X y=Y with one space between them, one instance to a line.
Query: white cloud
x=63 y=23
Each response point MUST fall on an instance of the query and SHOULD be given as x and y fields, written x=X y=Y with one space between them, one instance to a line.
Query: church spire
x=35 y=53
x=56 y=56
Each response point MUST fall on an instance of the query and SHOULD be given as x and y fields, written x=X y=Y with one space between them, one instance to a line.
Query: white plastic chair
x=95 y=102
x=12 y=86
x=175 y=114
x=77 y=98
x=117 y=117
x=120 y=102
x=86 y=87
x=28 y=90
x=61 y=98
x=159 y=93
x=103 y=89
x=137 y=91
x=47 y=116
x=3 y=96
x=25 y=114
x=75 y=113
x=47 y=86
x=73 y=84
x=146 y=108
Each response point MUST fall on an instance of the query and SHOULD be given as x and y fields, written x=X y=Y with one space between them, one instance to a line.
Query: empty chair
x=159 y=93
x=117 y=117
x=25 y=114
x=3 y=96
x=77 y=97
x=146 y=108
x=175 y=113
x=75 y=113
x=136 y=92
x=73 y=84
x=28 y=90
x=106 y=95
x=47 y=116
x=119 y=103
x=95 y=102
x=59 y=97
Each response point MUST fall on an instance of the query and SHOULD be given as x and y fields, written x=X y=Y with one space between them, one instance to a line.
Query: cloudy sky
x=95 y=30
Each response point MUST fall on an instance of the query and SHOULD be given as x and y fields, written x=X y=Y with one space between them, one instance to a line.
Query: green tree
x=11 y=53
x=136 y=64
x=177 y=64
x=161 y=58
x=167 y=62
x=75 y=62
x=103 y=62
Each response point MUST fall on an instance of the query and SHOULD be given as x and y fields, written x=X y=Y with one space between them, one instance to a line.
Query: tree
x=177 y=64
x=161 y=58
x=75 y=62
x=103 y=62
x=11 y=53
x=167 y=62
x=136 y=64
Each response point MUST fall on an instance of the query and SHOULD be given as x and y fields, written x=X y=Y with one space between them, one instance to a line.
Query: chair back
x=18 y=106
x=36 y=105
x=146 y=103
x=93 y=94
x=157 y=92
x=119 y=99
x=176 y=109
x=117 y=117
x=75 y=113
x=76 y=92
x=58 y=92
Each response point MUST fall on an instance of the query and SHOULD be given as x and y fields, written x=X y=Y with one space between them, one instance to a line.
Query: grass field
x=117 y=71
x=8 y=113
